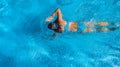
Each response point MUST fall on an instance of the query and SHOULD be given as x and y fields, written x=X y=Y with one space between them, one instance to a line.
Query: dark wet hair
x=50 y=25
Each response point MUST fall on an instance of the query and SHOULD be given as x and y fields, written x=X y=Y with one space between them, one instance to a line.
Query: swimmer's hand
x=49 y=19
x=54 y=35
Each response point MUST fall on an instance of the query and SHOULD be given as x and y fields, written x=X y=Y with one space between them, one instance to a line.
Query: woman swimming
x=60 y=25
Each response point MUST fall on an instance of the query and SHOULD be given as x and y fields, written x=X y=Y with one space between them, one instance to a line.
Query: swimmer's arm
x=58 y=12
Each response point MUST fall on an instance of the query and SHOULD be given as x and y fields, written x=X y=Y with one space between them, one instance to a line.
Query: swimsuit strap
x=65 y=27
x=58 y=24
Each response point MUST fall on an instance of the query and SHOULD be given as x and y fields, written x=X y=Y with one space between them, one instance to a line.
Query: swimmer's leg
x=105 y=26
x=102 y=29
x=88 y=30
x=102 y=23
x=106 y=29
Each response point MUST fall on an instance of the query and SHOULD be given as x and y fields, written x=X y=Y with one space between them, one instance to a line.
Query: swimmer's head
x=51 y=26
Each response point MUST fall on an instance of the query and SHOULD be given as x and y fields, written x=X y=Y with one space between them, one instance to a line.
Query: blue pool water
x=25 y=40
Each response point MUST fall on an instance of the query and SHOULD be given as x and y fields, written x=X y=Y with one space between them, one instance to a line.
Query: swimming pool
x=25 y=40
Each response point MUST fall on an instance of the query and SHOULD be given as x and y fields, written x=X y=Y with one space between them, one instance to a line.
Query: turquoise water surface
x=25 y=40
